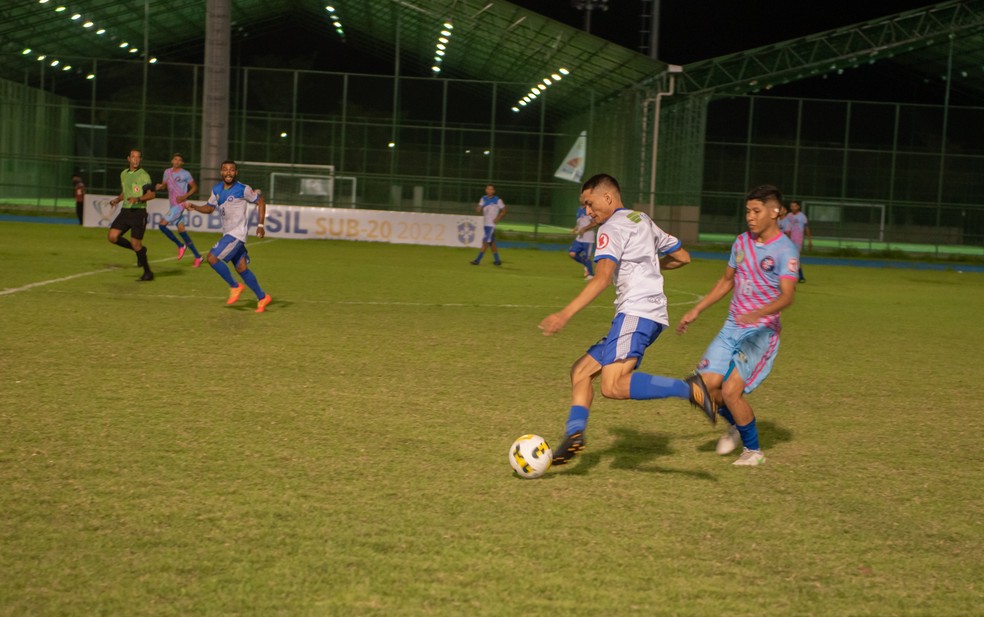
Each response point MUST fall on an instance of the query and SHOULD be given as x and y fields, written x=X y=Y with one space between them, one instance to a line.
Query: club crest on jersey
x=793 y=265
x=704 y=363
x=768 y=263
x=739 y=257
x=602 y=241
x=466 y=232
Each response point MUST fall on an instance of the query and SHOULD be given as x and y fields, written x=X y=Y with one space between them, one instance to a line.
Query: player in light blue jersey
x=761 y=273
x=492 y=209
x=180 y=186
x=230 y=197
x=632 y=251
x=582 y=247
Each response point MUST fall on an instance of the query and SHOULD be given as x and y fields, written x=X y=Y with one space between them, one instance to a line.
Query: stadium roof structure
x=491 y=40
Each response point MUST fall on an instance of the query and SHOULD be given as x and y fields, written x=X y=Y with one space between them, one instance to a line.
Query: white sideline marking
x=605 y=306
x=13 y=290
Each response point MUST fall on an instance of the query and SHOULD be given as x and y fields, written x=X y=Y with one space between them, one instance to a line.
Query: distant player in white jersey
x=180 y=186
x=582 y=247
x=632 y=251
x=492 y=209
x=230 y=197
x=762 y=273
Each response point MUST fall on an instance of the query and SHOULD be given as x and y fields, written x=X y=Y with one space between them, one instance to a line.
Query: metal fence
x=869 y=174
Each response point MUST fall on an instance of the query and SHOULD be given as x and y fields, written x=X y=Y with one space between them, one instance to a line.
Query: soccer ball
x=530 y=456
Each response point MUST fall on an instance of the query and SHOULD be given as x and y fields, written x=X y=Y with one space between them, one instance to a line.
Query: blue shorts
x=580 y=247
x=750 y=350
x=230 y=249
x=628 y=337
x=176 y=215
x=489 y=236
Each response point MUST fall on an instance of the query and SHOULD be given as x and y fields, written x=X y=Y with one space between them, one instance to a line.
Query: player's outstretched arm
x=721 y=288
x=604 y=272
x=261 y=216
x=677 y=259
x=204 y=208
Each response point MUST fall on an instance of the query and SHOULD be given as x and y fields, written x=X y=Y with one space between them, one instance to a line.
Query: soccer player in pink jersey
x=762 y=274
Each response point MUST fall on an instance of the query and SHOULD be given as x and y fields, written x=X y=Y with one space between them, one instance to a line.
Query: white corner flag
x=573 y=166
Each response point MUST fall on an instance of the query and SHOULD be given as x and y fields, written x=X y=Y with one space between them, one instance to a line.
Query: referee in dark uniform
x=138 y=189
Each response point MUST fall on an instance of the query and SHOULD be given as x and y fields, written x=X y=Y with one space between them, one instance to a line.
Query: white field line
x=13 y=290
x=606 y=306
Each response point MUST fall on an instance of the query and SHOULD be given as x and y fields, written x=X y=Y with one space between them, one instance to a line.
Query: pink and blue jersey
x=758 y=269
x=177 y=183
x=796 y=226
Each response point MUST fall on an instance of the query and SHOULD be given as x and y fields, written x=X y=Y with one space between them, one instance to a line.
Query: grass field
x=345 y=452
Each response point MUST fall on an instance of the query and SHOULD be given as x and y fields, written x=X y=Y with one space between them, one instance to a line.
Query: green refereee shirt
x=133 y=183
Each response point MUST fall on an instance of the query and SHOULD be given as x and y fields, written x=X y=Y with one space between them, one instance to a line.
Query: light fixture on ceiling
x=540 y=87
x=441 y=47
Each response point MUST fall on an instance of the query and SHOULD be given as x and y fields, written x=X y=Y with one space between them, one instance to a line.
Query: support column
x=215 y=93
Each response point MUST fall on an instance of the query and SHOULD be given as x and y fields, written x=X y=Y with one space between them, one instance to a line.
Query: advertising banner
x=305 y=223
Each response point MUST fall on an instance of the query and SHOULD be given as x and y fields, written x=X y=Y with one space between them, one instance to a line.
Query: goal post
x=302 y=185
x=846 y=219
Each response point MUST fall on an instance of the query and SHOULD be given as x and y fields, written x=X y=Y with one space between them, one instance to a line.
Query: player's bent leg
x=616 y=379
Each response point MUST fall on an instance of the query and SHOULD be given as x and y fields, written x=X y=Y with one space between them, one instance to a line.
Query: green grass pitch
x=345 y=453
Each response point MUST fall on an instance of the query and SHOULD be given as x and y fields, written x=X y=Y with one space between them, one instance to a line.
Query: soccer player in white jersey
x=762 y=273
x=230 y=198
x=180 y=186
x=632 y=251
x=492 y=209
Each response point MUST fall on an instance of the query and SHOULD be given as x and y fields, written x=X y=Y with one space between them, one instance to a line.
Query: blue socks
x=189 y=244
x=480 y=255
x=250 y=279
x=223 y=271
x=645 y=387
x=577 y=421
x=169 y=234
x=749 y=435
x=725 y=413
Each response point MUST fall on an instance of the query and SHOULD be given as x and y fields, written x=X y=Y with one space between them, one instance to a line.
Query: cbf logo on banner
x=302 y=223
x=573 y=166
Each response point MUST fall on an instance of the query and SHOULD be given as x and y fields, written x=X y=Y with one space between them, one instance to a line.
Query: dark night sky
x=692 y=30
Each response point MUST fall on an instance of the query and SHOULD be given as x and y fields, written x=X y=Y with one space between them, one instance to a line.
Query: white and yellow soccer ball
x=530 y=456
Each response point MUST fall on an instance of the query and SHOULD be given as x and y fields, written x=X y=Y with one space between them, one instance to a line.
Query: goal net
x=304 y=185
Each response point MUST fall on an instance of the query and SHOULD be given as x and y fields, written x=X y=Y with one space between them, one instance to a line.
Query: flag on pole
x=573 y=166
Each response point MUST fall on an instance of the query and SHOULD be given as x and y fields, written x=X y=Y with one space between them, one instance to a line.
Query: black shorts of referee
x=133 y=220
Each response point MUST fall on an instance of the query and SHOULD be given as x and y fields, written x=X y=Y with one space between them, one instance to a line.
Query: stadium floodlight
x=540 y=87
x=88 y=24
x=26 y=51
x=76 y=16
x=101 y=31
x=441 y=46
x=59 y=9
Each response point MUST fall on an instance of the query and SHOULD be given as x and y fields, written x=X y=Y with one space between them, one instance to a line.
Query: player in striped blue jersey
x=762 y=274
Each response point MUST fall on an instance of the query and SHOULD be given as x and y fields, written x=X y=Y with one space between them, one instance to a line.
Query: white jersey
x=588 y=235
x=634 y=242
x=231 y=204
x=491 y=207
